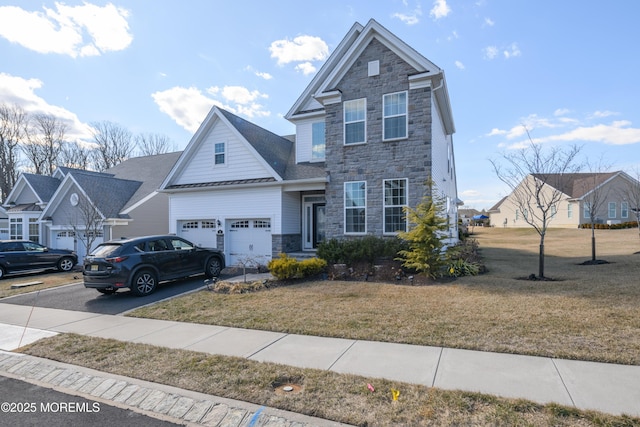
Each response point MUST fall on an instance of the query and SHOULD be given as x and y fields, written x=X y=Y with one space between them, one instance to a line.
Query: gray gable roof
x=150 y=171
x=274 y=149
x=108 y=194
x=43 y=185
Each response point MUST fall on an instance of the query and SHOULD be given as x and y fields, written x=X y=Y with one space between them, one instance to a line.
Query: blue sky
x=567 y=70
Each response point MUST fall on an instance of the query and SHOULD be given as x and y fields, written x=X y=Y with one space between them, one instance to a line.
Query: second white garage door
x=249 y=241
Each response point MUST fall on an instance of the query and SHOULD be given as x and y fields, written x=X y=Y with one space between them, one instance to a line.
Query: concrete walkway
x=609 y=388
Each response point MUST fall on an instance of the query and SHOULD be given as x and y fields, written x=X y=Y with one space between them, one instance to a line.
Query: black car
x=25 y=255
x=141 y=263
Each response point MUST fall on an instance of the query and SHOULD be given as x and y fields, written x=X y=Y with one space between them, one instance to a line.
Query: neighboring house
x=4 y=224
x=75 y=208
x=578 y=191
x=373 y=127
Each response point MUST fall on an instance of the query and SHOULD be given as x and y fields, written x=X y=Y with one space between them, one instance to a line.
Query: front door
x=313 y=221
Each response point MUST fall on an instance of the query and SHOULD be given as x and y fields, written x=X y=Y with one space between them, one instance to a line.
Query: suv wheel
x=65 y=264
x=2 y=272
x=213 y=268
x=144 y=282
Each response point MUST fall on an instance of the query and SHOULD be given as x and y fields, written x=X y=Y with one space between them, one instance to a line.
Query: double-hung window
x=395 y=199
x=612 y=209
x=394 y=122
x=355 y=122
x=355 y=207
x=219 y=153
x=624 y=210
x=317 y=141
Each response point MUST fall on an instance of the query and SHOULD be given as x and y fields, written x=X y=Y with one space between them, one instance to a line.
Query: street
x=25 y=404
x=78 y=298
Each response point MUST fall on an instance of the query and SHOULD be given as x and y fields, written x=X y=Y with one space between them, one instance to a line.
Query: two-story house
x=373 y=128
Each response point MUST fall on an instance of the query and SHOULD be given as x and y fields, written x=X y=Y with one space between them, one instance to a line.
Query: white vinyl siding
x=241 y=161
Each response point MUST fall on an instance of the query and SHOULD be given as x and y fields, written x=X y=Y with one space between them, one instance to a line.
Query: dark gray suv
x=141 y=263
x=25 y=255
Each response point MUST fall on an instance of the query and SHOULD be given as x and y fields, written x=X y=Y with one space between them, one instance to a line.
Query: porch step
x=302 y=255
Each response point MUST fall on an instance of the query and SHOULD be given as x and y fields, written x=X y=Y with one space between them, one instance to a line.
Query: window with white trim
x=612 y=209
x=587 y=210
x=15 y=228
x=394 y=123
x=624 y=210
x=395 y=200
x=569 y=210
x=317 y=141
x=355 y=207
x=219 y=153
x=355 y=122
x=34 y=230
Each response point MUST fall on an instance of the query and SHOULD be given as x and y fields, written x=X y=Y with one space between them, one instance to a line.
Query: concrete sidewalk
x=603 y=387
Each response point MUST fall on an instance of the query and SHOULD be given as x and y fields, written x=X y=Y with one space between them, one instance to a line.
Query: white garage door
x=249 y=241
x=67 y=240
x=200 y=232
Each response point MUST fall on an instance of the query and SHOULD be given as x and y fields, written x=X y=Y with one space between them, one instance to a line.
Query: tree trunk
x=541 y=262
x=593 y=242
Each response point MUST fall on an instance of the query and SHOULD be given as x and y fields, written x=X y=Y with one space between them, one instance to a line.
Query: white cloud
x=512 y=51
x=189 y=106
x=22 y=92
x=561 y=112
x=460 y=65
x=300 y=49
x=440 y=9
x=86 y=30
x=411 y=18
x=568 y=129
x=600 y=114
x=489 y=22
x=616 y=133
x=490 y=52
x=265 y=76
x=306 y=68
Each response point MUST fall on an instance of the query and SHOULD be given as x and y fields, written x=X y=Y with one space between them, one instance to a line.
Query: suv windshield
x=105 y=250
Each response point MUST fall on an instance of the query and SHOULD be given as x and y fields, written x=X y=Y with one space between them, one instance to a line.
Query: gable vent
x=374 y=68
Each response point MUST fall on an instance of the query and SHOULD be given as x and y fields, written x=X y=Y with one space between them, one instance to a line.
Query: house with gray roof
x=574 y=196
x=373 y=128
x=77 y=209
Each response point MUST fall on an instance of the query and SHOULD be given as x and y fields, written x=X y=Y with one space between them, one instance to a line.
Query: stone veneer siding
x=376 y=160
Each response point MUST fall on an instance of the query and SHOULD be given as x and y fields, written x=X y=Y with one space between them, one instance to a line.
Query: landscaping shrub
x=285 y=267
x=368 y=249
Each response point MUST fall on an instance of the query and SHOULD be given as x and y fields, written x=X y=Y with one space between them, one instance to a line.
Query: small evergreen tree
x=427 y=229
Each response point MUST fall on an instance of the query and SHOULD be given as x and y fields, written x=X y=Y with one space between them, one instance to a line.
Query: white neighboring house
x=373 y=126
x=75 y=207
x=4 y=224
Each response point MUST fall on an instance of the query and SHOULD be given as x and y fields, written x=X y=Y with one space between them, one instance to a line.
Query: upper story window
x=395 y=115
x=219 y=153
x=355 y=122
x=355 y=207
x=317 y=141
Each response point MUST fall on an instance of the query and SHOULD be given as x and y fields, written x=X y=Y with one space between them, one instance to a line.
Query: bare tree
x=534 y=177
x=114 y=144
x=595 y=196
x=152 y=143
x=74 y=155
x=13 y=122
x=86 y=221
x=44 y=142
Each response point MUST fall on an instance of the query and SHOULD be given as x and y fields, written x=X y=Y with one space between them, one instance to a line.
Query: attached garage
x=200 y=232
x=249 y=241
